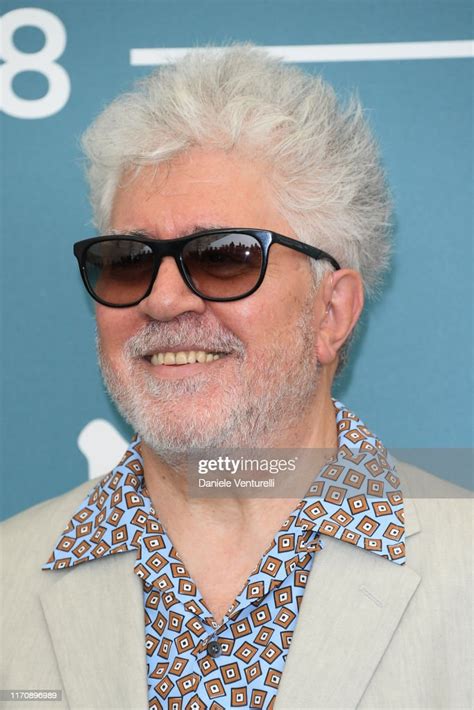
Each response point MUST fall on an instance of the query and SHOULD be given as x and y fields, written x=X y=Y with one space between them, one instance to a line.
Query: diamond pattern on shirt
x=355 y=497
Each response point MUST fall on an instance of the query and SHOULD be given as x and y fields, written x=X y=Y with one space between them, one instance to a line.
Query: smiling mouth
x=184 y=357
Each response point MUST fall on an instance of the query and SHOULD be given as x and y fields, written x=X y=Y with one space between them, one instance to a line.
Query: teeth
x=183 y=358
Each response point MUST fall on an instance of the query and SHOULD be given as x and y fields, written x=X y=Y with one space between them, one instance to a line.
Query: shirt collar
x=355 y=498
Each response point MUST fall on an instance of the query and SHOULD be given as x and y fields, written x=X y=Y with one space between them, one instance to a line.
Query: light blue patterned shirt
x=191 y=661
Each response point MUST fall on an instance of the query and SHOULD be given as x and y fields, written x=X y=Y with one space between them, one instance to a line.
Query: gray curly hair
x=324 y=163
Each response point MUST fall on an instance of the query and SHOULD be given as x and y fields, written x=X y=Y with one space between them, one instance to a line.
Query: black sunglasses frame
x=174 y=248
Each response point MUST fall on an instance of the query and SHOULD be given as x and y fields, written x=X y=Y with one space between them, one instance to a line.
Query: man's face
x=268 y=377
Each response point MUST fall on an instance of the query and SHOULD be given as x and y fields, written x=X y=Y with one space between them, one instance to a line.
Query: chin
x=172 y=439
x=178 y=422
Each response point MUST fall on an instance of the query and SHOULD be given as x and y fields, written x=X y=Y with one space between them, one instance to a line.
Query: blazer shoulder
x=442 y=513
x=416 y=482
x=32 y=533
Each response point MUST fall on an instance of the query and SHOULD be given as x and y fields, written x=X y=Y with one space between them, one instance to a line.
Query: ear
x=340 y=303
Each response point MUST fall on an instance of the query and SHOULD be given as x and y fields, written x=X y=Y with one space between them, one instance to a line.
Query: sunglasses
x=217 y=264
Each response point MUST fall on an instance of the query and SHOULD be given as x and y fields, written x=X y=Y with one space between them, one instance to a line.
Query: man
x=243 y=215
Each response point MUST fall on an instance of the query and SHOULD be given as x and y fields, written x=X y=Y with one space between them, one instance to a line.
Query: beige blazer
x=370 y=633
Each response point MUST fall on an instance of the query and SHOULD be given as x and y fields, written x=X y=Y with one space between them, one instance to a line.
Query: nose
x=170 y=295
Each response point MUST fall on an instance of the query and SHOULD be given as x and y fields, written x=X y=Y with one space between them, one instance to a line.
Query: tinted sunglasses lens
x=119 y=271
x=223 y=265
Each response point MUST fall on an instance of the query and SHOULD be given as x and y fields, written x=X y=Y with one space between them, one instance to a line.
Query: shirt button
x=214 y=649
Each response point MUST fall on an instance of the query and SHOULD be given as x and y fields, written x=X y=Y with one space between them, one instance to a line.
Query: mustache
x=186 y=331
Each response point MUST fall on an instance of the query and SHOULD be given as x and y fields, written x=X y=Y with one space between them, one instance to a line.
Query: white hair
x=323 y=162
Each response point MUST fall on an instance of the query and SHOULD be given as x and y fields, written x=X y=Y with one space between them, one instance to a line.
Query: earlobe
x=341 y=303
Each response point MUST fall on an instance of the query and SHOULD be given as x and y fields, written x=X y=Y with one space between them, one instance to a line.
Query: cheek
x=260 y=317
x=114 y=327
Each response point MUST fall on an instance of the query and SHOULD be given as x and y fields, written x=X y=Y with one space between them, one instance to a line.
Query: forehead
x=201 y=187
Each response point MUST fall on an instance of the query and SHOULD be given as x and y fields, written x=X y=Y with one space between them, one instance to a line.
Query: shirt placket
x=190 y=626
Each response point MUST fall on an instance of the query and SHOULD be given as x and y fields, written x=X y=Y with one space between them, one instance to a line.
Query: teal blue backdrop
x=410 y=377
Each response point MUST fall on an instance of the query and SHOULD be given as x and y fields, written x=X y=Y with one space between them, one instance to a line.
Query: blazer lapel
x=352 y=605
x=95 y=616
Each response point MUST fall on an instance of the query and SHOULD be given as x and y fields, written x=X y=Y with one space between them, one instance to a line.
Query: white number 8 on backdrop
x=43 y=61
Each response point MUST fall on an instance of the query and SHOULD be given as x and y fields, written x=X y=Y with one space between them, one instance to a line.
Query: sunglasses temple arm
x=307 y=249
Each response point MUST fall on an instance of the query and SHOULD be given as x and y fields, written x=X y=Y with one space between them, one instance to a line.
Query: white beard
x=252 y=401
